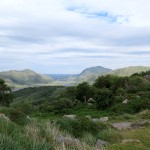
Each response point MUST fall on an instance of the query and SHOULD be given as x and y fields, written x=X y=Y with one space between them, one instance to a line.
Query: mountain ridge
x=27 y=77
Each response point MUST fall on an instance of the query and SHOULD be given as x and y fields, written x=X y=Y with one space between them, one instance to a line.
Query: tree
x=6 y=96
x=104 y=98
x=120 y=92
x=71 y=92
x=105 y=81
x=84 y=92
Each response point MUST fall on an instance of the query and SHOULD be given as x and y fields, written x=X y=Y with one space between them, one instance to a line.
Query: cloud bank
x=66 y=36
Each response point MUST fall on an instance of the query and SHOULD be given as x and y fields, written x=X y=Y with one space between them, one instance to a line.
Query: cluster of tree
x=109 y=90
x=6 y=96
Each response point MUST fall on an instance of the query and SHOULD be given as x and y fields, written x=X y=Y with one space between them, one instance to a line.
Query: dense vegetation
x=107 y=93
x=35 y=118
x=6 y=96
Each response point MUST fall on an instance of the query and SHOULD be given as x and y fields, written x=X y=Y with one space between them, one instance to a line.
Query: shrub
x=103 y=98
x=61 y=105
x=25 y=107
x=110 y=135
x=81 y=126
x=18 y=117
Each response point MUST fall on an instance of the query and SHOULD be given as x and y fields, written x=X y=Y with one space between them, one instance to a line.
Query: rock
x=70 y=116
x=101 y=144
x=4 y=117
x=88 y=117
x=91 y=100
x=125 y=101
x=144 y=112
x=123 y=125
x=129 y=125
x=130 y=141
x=67 y=140
x=29 y=118
x=104 y=119
x=140 y=124
x=95 y=120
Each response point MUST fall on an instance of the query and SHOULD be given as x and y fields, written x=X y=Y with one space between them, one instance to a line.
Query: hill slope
x=87 y=75
x=24 y=77
x=128 y=71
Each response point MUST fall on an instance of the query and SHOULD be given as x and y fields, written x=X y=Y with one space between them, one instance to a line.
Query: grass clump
x=80 y=126
x=110 y=135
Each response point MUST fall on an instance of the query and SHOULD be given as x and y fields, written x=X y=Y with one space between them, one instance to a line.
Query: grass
x=34 y=136
x=139 y=134
x=81 y=126
x=14 y=137
x=110 y=135
x=41 y=134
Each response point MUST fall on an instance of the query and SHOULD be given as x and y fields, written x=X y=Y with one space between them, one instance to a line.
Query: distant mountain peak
x=96 y=70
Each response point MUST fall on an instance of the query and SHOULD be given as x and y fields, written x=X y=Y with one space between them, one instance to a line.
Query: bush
x=81 y=126
x=63 y=104
x=103 y=98
x=110 y=135
x=25 y=107
x=18 y=117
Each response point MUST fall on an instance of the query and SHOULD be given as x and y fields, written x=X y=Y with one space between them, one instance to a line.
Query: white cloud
x=56 y=34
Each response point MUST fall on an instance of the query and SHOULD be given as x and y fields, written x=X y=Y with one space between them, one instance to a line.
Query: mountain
x=24 y=78
x=128 y=71
x=27 y=78
x=92 y=73
x=94 y=70
x=87 y=75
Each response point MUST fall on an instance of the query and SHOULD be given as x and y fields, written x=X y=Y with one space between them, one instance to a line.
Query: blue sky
x=67 y=36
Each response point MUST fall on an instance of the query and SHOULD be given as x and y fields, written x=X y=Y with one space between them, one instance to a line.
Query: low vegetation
x=35 y=118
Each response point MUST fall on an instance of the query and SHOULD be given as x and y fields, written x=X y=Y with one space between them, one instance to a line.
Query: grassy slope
x=37 y=135
x=44 y=93
x=24 y=78
x=128 y=71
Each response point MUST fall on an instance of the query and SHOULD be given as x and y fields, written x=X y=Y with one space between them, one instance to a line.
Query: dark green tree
x=6 y=96
x=84 y=92
x=104 y=98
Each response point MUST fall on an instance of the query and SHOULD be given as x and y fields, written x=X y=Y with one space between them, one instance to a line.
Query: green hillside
x=38 y=94
x=24 y=78
x=128 y=71
x=91 y=74
x=27 y=78
x=113 y=110
x=88 y=75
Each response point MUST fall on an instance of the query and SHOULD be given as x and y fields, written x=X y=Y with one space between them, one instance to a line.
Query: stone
x=95 y=120
x=104 y=119
x=123 y=125
x=140 y=124
x=91 y=100
x=88 y=117
x=130 y=141
x=70 y=116
x=4 y=117
x=130 y=125
x=101 y=144
x=125 y=101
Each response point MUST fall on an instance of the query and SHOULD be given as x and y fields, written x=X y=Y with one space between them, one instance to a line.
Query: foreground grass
x=37 y=134
x=137 y=134
x=34 y=136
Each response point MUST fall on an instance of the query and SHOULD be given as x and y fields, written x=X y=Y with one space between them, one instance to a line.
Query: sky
x=67 y=36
